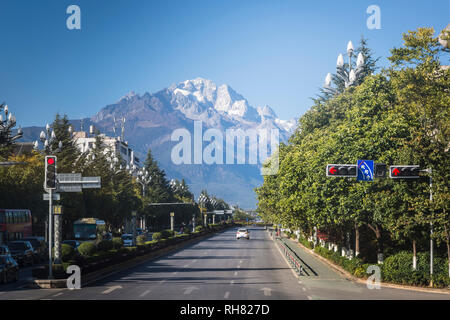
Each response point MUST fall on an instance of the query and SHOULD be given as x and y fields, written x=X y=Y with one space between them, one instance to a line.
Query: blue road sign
x=365 y=170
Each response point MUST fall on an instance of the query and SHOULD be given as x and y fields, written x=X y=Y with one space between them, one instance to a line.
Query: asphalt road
x=222 y=268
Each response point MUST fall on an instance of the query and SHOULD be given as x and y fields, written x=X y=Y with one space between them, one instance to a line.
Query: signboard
x=56 y=196
x=74 y=182
x=229 y=211
x=91 y=182
x=73 y=187
x=57 y=210
x=219 y=212
x=365 y=170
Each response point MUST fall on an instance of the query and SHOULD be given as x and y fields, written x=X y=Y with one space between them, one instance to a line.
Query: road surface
x=222 y=268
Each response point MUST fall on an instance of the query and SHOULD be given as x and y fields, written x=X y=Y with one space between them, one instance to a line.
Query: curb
x=352 y=278
x=119 y=267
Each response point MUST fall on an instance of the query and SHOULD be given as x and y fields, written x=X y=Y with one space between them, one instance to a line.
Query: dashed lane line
x=227 y=295
x=143 y=294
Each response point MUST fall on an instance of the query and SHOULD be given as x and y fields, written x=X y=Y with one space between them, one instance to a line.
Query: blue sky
x=272 y=52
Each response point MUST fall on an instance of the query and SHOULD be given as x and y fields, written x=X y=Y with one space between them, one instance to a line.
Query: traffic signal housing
x=380 y=170
x=342 y=170
x=50 y=172
x=404 y=172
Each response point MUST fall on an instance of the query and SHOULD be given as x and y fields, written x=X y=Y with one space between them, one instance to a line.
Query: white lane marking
x=58 y=294
x=186 y=265
x=162 y=281
x=194 y=261
x=227 y=295
x=189 y=290
x=174 y=273
x=240 y=261
x=310 y=298
x=235 y=273
x=232 y=282
x=145 y=293
x=238 y=267
x=267 y=291
x=304 y=289
x=111 y=289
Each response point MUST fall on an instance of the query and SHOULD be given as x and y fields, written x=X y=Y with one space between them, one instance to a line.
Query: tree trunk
x=414 y=256
x=377 y=231
x=356 y=240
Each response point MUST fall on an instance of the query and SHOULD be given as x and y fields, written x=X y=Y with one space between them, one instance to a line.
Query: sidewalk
x=340 y=280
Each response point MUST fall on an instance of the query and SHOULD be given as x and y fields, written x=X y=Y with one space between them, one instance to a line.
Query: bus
x=87 y=228
x=15 y=224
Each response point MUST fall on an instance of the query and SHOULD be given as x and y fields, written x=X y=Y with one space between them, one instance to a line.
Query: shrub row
x=92 y=257
x=397 y=268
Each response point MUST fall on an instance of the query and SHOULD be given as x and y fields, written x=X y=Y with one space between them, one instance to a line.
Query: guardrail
x=293 y=260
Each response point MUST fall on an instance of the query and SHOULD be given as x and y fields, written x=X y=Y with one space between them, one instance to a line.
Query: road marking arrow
x=189 y=290
x=267 y=291
x=111 y=289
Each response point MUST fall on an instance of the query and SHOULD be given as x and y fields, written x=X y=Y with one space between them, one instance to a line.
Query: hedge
x=87 y=249
x=91 y=258
x=396 y=268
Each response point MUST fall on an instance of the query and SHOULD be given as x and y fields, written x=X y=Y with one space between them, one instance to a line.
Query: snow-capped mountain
x=150 y=120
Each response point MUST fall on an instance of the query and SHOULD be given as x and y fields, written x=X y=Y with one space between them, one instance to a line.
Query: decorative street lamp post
x=349 y=77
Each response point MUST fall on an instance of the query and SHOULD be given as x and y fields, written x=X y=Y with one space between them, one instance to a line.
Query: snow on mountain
x=202 y=99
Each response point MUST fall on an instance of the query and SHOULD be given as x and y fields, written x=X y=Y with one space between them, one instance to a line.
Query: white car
x=242 y=233
x=127 y=240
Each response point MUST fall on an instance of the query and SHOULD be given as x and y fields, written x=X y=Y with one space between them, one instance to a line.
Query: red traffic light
x=333 y=170
x=50 y=161
x=395 y=172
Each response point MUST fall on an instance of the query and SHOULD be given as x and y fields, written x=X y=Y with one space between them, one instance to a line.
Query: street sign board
x=229 y=212
x=91 y=182
x=68 y=177
x=219 y=211
x=73 y=187
x=365 y=170
x=57 y=209
x=56 y=196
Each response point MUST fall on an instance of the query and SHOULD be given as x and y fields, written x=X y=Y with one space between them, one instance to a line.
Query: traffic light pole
x=431 y=229
x=50 y=223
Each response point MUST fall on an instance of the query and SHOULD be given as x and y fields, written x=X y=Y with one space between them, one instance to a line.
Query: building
x=120 y=148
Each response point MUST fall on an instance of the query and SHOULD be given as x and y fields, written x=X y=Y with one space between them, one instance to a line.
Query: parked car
x=242 y=233
x=4 y=251
x=73 y=243
x=22 y=252
x=127 y=240
x=39 y=248
x=9 y=269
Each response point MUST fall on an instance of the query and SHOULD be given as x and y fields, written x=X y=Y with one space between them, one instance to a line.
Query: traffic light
x=380 y=170
x=404 y=172
x=50 y=172
x=341 y=170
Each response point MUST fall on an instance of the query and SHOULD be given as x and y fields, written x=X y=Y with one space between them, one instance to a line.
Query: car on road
x=9 y=269
x=127 y=240
x=22 y=252
x=39 y=248
x=242 y=233
x=73 y=243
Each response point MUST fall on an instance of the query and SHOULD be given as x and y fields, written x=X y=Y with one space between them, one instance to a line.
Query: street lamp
x=349 y=77
x=202 y=199
x=6 y=138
